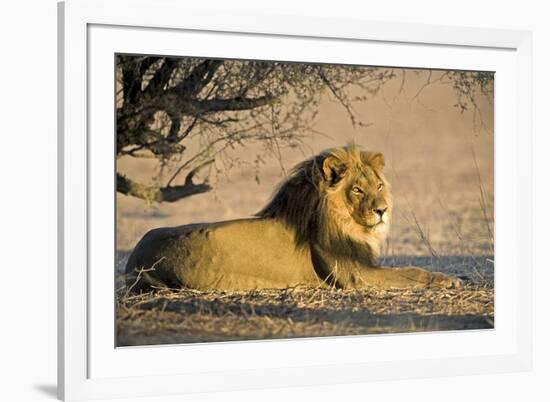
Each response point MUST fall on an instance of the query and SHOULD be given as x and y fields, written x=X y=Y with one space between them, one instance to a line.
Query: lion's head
x=338 y=200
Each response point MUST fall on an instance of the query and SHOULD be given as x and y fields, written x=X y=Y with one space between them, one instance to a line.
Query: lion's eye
x=356 y=190
x=380 y=187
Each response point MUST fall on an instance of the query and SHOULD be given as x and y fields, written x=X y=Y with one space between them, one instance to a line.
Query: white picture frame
x=89 y=365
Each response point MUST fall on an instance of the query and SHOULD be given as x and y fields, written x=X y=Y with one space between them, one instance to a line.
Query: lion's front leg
x=349 y=274
x=406 y=277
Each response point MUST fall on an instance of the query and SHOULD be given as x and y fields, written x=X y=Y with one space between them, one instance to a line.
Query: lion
x=324 y=227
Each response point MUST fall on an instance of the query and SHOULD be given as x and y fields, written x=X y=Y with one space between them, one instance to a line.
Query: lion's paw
x=439 y=280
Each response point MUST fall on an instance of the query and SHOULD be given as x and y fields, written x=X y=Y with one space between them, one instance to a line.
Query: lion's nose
x=381 y=211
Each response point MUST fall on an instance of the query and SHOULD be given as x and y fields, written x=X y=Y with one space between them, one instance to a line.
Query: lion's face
x=366 y=200
x=357 y=192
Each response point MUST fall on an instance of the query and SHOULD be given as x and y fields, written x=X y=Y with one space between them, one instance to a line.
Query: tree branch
x=146 y=64
x=129 y=79
x=191 y=174
x=161 y=76
x=134 y=89
x=198 y=78
x=161 y=194
x=335 y=91
x=232 y=104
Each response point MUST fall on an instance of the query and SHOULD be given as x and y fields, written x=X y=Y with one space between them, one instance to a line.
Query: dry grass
x=183 y=316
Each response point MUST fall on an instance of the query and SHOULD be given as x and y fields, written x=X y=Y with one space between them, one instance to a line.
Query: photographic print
x=261 y=199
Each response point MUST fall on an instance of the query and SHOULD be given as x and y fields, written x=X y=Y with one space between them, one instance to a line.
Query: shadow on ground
x=182 y=321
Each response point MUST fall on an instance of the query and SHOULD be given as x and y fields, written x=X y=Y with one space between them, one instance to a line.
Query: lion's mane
x=302 y=202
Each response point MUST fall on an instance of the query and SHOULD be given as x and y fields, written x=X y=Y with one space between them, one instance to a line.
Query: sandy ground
x=439 y=162
x=189 y=316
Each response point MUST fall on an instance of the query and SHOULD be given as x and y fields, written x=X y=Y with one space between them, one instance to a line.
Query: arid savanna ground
x=440 y=164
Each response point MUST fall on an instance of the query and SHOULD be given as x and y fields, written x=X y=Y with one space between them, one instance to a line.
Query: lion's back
x=240 y=254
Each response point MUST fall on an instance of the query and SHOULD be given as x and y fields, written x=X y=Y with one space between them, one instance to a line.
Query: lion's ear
x=376 y=160
x=333 y=169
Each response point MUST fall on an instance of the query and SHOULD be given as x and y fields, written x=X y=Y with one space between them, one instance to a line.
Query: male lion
x=324 y=227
